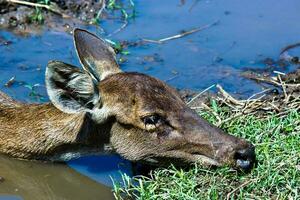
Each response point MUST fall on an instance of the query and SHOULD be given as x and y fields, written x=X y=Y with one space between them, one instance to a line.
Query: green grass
x=277 y=175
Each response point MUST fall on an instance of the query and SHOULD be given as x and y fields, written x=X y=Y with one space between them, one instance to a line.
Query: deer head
x=149 y=120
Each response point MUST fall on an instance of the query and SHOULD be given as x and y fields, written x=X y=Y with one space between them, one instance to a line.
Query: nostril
x=245 y=158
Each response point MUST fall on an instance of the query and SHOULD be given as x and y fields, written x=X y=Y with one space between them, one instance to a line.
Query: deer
x=100 y=108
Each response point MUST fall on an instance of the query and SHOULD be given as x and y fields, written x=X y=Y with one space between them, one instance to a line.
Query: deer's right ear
x=95 y=55
x=69 y=89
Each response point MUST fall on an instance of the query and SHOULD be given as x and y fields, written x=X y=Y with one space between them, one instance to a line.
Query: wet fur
x=101 y=106
x=41 y=131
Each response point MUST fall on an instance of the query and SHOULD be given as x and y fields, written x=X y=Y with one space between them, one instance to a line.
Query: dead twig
x=261 y=104
x=239 y=187
x=214 y=113
x=228 y=96
x=193 y=5
x=125 y=21
x=52 y=7
x=291 y=46
x=103 y=5
x=195 y=97
x=281 y=104
x=124 y=25
x=274 y=81
x=172 y=78
x=10 y=82
x=283 y=88
x=256 y=94
x=160 y=41
x=260 y=78
x=284 y=53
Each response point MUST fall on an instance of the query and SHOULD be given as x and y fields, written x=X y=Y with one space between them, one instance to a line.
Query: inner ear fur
x=70 y=89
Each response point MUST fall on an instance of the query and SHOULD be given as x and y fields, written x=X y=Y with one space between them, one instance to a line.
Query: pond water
x=247 y=33
x=41 y=181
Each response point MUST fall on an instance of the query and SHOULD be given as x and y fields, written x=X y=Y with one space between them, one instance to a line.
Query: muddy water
x=248 y=32
x=41 y=181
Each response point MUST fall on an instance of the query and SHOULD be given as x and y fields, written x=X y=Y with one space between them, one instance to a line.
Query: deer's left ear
x=96 y=56
x=69 y=89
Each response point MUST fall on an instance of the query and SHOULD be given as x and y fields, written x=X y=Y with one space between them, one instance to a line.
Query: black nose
x=245 y=158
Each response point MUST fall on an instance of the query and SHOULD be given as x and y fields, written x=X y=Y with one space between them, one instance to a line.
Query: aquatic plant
x=37 y=16
x=125 y=11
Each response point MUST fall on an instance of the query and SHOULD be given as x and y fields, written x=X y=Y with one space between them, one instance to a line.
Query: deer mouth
x=202 y=159
x=182 y=158
x=242 y=160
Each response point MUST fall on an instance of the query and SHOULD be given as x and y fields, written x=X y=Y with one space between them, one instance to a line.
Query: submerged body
x=40 y=131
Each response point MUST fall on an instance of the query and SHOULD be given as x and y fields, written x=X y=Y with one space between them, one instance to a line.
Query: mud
x=23 y=19
x=273 y=91
x=292 y=77
x=205 y=98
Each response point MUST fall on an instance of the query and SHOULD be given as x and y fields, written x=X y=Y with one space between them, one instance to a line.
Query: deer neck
x=41 y=131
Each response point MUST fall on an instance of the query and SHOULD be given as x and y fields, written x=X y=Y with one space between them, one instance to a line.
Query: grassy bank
x=277 y=175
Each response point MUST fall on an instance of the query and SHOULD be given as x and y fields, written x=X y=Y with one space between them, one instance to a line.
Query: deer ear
x=96 y=56
x=69 y=89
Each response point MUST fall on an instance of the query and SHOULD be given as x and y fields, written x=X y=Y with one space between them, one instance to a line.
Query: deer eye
x=152 y=120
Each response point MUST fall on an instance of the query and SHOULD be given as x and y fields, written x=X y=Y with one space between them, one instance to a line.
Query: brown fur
x=40 y=131
x=139 y=116
x=184 y=134
x=36 y=131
